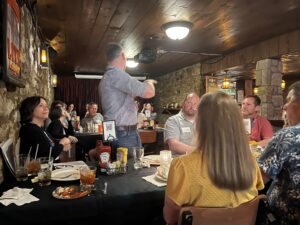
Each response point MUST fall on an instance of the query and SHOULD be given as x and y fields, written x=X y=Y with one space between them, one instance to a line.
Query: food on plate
x=34 y=180
x=152 y=159
x=69 y=192
x=65 y=174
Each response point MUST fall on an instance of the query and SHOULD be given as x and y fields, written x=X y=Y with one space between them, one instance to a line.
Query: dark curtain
x=77 y=91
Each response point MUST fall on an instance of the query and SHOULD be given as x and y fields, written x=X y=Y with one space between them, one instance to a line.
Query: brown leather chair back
x=245 y=214
x=148 y=136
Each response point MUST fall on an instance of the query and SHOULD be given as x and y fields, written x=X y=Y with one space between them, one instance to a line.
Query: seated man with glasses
x=180 y=127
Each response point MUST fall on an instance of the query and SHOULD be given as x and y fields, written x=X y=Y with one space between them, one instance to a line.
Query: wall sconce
x=131 y=63
x=53 y=80
x=282 y=85
x=255 y=90
x=43 y=56
x=225 y=83
x=177 y=30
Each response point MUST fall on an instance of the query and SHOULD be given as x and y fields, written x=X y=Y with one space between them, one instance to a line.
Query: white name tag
x=186 y=130
x=147 y=113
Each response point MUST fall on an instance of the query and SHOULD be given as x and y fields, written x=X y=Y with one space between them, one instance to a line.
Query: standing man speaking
x=117 y=91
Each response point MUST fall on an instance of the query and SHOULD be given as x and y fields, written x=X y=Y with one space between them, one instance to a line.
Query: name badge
x=186 y=130
x=147 y=113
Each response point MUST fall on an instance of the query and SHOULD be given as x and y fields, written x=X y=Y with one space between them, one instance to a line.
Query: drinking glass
x=44 y=174
x=165 y=157
x=33 y=166
x=21 y=162
x=87 y=177
x=100 y=128
x=138 y=156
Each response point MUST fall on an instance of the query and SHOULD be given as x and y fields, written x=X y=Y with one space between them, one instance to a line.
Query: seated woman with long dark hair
x=34 y=111
x=221 y=172
x=56 y=128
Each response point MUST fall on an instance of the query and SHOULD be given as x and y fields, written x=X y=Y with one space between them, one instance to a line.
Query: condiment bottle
x=100 y=128
x=104 y=153
x=122 y=155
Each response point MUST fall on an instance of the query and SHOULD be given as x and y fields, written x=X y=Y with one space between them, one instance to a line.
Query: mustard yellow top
x=190 y=185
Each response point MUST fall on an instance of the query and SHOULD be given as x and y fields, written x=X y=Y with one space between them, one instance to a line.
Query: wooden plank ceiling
x=79 y=29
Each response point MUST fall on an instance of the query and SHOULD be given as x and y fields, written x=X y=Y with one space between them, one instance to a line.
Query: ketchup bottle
x=104 y=153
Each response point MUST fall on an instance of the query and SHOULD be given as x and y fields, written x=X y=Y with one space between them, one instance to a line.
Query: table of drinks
x=95 y=194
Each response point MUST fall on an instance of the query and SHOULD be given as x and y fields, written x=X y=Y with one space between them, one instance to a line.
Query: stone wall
x=173 y=87
x=36 y=80
x=268 y=80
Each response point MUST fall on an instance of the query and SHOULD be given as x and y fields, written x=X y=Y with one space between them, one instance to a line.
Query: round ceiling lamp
x=177 y=30
x=131 y=63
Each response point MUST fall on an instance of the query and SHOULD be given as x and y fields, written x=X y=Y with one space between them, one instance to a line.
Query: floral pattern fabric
x=281 y=162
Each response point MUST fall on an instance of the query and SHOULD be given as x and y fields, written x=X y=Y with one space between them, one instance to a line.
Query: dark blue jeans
x=129 y=139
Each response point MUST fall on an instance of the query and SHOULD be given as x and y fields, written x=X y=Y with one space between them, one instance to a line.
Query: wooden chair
x=148 y=137
x=7 y=153
x=245 y=214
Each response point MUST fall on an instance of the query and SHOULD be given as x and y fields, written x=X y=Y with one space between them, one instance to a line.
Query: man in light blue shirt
x=92 y=117
x=117 y=91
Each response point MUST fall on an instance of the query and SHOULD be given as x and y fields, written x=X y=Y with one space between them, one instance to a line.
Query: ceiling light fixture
x=177 y=30
x=225 y=83
x=131 y=63
x=88 y=76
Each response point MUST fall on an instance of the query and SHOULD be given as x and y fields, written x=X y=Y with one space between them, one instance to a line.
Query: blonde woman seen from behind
x=221 y=172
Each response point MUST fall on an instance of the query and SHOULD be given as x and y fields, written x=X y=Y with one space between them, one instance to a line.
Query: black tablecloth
x=129 y=200
x=88 y=140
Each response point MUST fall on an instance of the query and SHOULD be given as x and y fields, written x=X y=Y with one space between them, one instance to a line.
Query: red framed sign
x=11 y=25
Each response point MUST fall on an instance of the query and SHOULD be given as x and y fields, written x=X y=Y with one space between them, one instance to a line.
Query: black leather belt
x=127 y=128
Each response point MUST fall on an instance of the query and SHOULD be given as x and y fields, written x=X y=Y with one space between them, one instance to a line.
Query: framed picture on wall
x=11 y=43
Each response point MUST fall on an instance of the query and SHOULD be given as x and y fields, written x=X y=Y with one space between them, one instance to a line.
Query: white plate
x=65 y=175
x=64 y=166
x=69 y=165
x=71 y=192
x=152 y=159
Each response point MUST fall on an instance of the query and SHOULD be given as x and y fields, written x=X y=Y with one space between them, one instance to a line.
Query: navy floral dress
x=281 y=162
